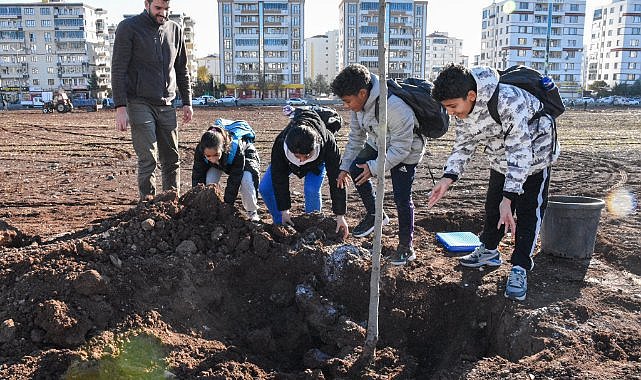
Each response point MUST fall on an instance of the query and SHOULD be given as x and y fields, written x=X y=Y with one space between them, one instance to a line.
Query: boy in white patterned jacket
x=521 y=151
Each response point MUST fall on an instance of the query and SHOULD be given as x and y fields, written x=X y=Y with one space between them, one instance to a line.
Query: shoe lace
x=516 y=279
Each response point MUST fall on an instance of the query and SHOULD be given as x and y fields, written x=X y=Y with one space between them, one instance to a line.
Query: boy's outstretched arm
x=438 y=191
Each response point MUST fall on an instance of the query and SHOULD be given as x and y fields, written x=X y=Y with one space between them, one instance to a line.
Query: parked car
x=203 y=100
x=227 y=100
x=585 y=99
x=296 y=102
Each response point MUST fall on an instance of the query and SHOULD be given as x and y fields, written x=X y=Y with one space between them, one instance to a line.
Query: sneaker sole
x=514 y=297
x=366 y=233
x=399 y=263
x=491 y=263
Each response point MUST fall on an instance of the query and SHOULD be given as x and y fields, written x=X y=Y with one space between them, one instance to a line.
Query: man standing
x=149 y=62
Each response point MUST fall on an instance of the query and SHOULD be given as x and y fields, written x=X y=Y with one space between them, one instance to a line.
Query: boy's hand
x=438 y=191
x=506 y=217
x=364 y=176
x=287 y=218
x=341 y=224
x=343 y=179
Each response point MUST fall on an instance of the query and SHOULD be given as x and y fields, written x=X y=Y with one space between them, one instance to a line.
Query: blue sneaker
x=516 y=288
x=480 y=257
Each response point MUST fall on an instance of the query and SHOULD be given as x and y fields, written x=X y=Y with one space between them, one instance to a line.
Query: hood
x=373 y=93
x=486 y=81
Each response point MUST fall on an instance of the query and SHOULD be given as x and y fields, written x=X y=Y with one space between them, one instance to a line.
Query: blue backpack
x=238 y=130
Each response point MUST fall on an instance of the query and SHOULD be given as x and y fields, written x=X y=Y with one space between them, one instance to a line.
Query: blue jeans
x=402 y=180
x=312 y=186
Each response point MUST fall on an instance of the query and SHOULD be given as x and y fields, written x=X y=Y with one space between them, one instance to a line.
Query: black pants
x=529 y=207
x=402 y=180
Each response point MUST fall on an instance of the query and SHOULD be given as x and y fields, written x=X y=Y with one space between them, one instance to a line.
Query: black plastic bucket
x=570 y=225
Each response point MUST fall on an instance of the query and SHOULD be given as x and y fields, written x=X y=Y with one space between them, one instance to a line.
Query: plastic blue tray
x=458 y=241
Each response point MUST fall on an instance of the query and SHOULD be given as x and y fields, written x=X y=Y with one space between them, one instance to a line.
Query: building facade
x=614 y=50
x=262 y=47
x=52 y=46
x=212 y=64
x=187 y=23
x=321 y=56
x=516 y=32
x=405 y=33
x=441 y=49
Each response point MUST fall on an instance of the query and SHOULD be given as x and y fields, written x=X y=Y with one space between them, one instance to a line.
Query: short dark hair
x=351 y=80
x=454 y=82
x=215 y=138
x=301 y=138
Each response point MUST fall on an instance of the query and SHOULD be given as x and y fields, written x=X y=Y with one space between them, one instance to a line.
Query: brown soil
x=88 y=275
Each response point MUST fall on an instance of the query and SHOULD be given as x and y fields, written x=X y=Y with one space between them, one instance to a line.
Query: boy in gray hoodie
x=359 y=90
x=521 y=151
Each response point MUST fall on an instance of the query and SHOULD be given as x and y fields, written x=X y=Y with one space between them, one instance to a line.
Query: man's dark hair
x=351 y=80
x=454 y=82
x=303 y=132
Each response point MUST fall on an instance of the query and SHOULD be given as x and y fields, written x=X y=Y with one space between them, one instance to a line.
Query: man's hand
x=188 y=112
x=287 y=218
x=438 y=191
x=506 y=217
x=122 y=119
x=343 y=179
x=364 y=176
x=341 y=224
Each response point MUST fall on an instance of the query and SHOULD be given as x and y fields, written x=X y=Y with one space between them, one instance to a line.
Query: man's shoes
x=253 y=216
x=482 y=256
x=366 y=226
x=403 y=255
x=516 y=288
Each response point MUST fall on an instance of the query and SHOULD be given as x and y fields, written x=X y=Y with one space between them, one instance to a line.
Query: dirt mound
x=10 y=236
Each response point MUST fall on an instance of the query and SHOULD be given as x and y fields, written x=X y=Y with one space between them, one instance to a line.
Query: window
x=45 y=23
x=636 y=31
x=45 y=11
x=523 y=17
x=50 y=82
x=51 y=70
x=521 y=53
x=29 y=11
x=632 y=65
x=36 y=82
x=522 y=29
x=634 y=42
x=523 y=5
x=634 y=54
x=573 y=19
x=30 y=23
x=522 y=41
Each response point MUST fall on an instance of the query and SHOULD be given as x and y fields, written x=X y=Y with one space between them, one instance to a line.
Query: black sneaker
x=366 y=226
x=403 y=255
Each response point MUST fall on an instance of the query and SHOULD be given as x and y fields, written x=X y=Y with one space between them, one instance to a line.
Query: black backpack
x=533 y=82
x=332 y=119
x=432 y=117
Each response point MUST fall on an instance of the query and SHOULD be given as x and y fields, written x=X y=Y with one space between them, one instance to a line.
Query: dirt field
x=94 y=285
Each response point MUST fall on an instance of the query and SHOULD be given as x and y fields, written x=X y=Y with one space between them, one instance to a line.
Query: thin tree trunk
x=369 y=349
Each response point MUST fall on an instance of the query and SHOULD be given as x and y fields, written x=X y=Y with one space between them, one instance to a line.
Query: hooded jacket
x=515 y=148
x=329 y=154
x=404 y=145
x=149 y=61
x=246 y=159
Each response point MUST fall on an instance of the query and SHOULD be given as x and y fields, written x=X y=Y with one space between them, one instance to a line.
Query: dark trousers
x=402 y=180
x=529 y=207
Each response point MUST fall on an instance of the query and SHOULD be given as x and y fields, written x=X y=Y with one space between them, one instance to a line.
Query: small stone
x=148 y=224
x=110 y=177
x=115 y=261
x=187 y=247
x=7 y=331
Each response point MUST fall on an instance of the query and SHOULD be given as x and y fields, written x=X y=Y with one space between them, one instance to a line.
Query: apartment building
x=405 y=32
x=614 y=50
x=50 y=46
x=516 y=32
x=187 y=23
x=321 y=56
x=212 y=64
x=262 y=47
x=441 y=49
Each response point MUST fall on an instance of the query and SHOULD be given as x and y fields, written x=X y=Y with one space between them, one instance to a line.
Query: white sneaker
x=253 y=216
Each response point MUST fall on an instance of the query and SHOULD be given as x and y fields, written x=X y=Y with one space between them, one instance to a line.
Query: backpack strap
x=493 y=105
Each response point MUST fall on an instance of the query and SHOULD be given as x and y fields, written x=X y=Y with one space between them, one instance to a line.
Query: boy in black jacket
x=305 y=148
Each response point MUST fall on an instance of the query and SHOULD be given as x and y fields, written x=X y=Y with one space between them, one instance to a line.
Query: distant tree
x=621 y=89
x=321 y=85
x=309 y=84
x=92 y=84
x=600 y=87
x=202 y=74
x=635 y=88
x=204 y=83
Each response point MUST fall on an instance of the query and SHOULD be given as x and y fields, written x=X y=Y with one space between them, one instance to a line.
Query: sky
x=459 y=18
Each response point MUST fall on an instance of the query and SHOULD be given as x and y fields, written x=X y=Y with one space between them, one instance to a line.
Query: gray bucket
x=570 y=225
